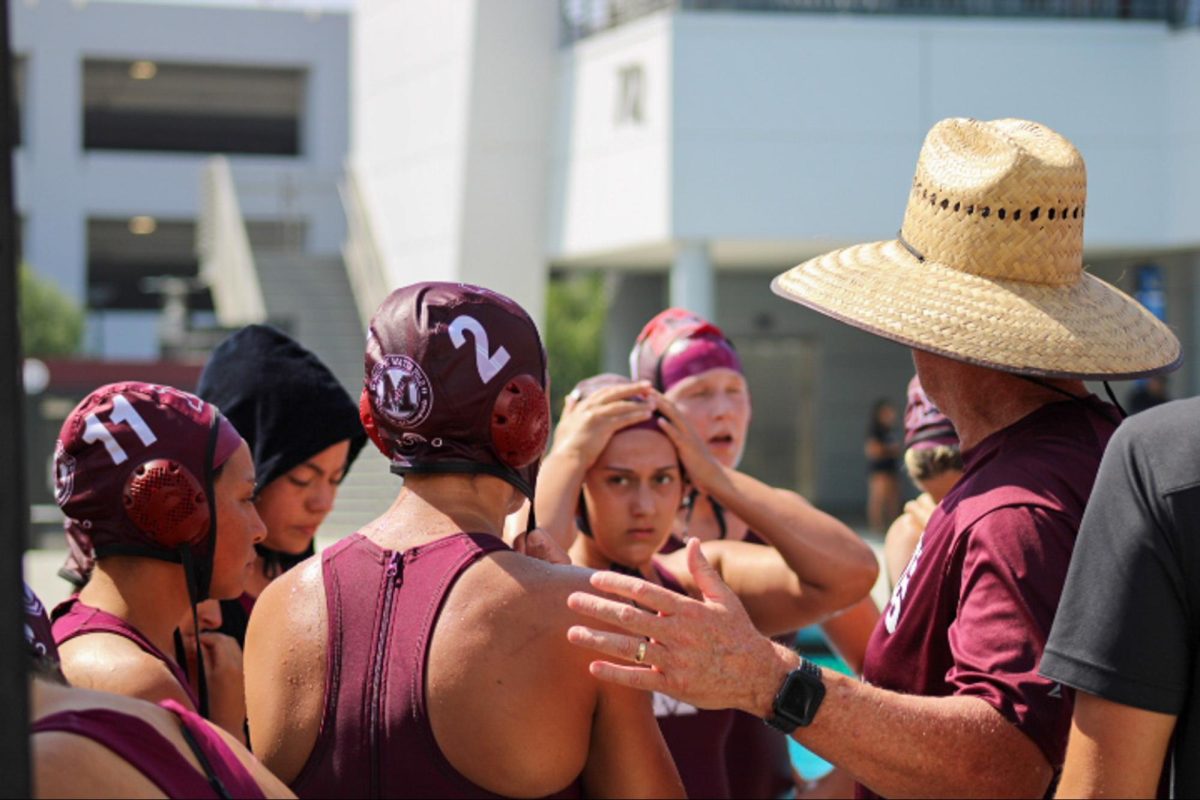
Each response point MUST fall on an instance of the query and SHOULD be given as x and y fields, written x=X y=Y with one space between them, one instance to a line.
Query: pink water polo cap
x=925 y=427
x=678 y=344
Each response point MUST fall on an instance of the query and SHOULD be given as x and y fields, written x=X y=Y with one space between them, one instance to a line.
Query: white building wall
x=452 y=110
x=412 y=68
x=59 y=185
x=791 y=133
x=504 y=184
x=610 y=176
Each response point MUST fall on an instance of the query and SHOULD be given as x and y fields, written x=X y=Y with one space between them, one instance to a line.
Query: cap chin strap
x=189 y=571
x=1081 y=400
x=467 y=468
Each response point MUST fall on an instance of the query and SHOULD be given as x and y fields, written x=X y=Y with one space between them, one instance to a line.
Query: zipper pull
x=395 y=568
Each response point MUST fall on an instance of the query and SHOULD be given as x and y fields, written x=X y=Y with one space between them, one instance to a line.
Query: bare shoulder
x=539 y=580
x=285 y=668
x=292 y=604
x=110 y=663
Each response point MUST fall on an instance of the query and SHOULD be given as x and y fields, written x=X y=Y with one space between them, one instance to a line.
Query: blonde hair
x=929 y=462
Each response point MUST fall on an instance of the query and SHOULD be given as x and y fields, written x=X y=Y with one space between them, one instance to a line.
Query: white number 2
x=122 y=412
x=489 y=365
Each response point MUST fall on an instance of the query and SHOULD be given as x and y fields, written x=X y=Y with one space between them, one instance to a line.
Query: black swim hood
x=284 y=402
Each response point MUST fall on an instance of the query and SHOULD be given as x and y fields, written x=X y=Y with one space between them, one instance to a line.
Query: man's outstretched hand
x=704 y=652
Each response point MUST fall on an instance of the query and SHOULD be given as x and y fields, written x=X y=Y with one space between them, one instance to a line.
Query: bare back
x=511 y=704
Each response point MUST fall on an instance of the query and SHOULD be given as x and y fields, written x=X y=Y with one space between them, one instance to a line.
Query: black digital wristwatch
x=798 y=699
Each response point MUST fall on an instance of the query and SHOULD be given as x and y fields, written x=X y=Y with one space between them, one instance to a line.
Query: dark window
x=149 y=105
x=124 y=252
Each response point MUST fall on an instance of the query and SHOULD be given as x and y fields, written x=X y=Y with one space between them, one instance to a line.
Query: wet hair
x=927 y=463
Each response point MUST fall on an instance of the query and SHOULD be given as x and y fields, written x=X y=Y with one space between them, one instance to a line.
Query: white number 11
x=122 y=412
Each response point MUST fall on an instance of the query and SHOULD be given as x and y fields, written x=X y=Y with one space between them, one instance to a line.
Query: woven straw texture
x=989 y=266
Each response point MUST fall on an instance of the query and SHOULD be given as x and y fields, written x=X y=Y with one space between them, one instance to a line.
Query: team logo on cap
x=64 y=474
x=400 y=391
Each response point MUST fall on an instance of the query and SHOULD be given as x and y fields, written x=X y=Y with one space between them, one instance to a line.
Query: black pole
x=14 y=721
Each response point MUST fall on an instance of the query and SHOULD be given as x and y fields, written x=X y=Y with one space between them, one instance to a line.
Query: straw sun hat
x=988 y=266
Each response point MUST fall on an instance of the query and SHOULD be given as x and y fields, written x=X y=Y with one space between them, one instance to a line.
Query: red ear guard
x=368 y=423
x=165 y=500
x=521 y=421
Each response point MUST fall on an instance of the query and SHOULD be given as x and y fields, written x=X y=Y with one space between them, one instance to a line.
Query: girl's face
x=208 y=614
x=239 y=527
x=717 y=404
x=294 y=505
x=632 y=494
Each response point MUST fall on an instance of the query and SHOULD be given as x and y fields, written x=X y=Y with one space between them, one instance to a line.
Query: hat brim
x=1089 y=330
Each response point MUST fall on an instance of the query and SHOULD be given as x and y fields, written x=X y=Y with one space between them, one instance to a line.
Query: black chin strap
x=189 y=571
x=689 y=505
x=1081 y=400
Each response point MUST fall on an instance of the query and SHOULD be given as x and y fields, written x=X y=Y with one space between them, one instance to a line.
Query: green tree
x=51 y=322
x=576 y=309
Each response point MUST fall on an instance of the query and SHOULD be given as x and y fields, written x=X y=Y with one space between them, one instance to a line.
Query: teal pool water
x=806 y=762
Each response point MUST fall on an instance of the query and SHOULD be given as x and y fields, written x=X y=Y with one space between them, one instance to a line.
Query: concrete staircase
x=310 y=297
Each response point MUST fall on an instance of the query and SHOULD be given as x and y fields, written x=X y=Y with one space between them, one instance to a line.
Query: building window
x=125 y=254
x=149 y=105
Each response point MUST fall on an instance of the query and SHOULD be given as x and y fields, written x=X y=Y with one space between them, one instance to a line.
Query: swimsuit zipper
x=392 y=580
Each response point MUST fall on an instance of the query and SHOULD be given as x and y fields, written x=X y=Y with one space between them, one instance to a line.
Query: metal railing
x=360 y=251
x=226 y=261
x=582 y=18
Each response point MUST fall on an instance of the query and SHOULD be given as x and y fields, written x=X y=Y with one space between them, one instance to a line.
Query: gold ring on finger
x=640 y=655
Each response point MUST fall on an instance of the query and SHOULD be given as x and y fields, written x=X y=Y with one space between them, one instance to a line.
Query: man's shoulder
x=1160 y=445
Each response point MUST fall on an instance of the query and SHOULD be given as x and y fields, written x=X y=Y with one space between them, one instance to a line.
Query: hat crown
x=1002 y=199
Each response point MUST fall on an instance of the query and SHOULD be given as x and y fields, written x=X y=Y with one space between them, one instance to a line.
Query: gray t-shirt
x=1128 y=624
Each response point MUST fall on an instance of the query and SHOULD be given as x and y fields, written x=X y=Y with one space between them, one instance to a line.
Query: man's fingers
x=617 y=645
x=707 y=580
x=650 y=680
x=617 y=614
x=644 y=593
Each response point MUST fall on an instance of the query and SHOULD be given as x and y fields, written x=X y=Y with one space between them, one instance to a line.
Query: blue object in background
x=1150 y=290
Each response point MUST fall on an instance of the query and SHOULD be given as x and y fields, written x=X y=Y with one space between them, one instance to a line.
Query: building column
x=692 y=280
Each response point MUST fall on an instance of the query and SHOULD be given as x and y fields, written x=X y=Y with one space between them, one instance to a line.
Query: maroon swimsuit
x=152 y=754
x=757 y=760
x=72 y=618
x=375 y=738
x=697 y=738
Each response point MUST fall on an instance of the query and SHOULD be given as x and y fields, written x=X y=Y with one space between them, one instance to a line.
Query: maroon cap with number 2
x=455 y=381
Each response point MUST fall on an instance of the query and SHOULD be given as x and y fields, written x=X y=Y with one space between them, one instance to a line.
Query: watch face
x=801 y=695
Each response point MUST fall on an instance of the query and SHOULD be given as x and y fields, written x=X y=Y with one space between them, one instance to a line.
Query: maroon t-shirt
x=972 y=610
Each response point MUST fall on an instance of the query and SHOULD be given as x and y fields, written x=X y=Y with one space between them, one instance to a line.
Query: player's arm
x=834 y=566
x=271 y=785
x=776 y=598
x=849 y=632
x=285 y=669
x=1114 y=750
x=628 y=757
